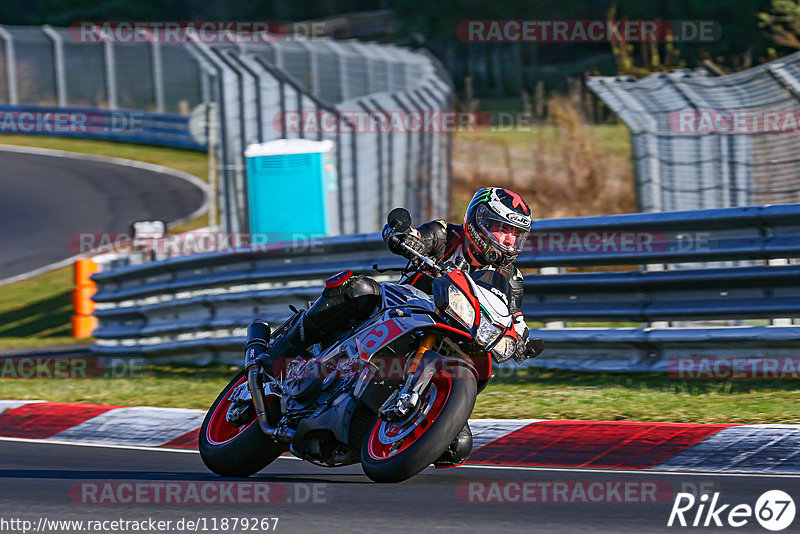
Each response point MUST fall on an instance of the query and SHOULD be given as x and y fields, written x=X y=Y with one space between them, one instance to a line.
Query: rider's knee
x=365 y=293
x=354 y=297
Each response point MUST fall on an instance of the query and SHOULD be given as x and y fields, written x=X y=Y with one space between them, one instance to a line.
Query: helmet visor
x=501 y=232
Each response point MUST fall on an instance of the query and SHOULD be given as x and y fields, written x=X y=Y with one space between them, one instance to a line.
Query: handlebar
x=399 y=220
x=430 y=262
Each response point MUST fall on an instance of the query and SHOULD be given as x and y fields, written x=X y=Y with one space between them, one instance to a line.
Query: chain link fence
x=258 y=87
x=710 y=142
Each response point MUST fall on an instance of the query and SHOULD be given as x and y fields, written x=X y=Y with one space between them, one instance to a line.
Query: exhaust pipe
x=258 y=334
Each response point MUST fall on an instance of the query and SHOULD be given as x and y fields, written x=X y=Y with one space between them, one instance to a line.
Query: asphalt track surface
x=46 y=199
x=42 y=481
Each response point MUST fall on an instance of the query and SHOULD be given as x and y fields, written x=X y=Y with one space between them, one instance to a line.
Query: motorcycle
x=390 y=393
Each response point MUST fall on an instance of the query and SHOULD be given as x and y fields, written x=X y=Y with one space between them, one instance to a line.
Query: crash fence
x=703 y=141
x=197 y=307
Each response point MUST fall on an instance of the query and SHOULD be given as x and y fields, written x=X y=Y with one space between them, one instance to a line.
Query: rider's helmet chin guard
x=496 y=208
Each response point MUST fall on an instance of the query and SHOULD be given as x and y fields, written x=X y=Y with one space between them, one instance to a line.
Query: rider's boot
x=299 y=337
x=458 y=451
x=346 y=297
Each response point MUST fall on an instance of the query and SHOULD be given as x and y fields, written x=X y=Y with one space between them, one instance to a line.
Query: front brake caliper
x=399 y=405
x=406 y=399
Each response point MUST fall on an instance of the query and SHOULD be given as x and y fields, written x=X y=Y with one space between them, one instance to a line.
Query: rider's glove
x=526 y=347
x=531 y=349
x=394 y=240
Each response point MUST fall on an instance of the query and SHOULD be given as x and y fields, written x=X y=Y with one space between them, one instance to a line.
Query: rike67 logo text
x=774 y=510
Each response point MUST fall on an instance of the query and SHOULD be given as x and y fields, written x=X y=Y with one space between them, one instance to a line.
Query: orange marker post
x=83 y=322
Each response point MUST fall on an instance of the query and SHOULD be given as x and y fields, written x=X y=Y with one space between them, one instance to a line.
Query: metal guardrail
x=702 y=294
x=198 y=306
x=709 y=352
x=724 y=234
x=734 y=293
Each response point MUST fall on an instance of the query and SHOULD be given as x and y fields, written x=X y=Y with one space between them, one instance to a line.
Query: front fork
x=403 y=401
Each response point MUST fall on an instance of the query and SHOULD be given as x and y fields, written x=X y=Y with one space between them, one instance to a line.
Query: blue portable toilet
x=292 y=190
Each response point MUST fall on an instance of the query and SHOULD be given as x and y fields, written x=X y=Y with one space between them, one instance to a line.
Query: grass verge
x=544 y=394
x=528 y=394
x=37 y=312
x=167 y=386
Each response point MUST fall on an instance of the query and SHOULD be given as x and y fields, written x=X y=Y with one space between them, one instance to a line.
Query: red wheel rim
x=219 y=430
x=387 y=440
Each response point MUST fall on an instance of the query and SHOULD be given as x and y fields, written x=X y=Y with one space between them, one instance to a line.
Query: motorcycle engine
x=309 y=379
x=303 y=384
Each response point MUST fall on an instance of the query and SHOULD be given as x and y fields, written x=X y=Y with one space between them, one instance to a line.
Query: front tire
x=231 y=451
x=393 y=453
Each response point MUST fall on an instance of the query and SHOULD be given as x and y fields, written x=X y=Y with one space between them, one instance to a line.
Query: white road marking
x=103 y=445
x=639 y=471
x=487 y=430
x=473 y=466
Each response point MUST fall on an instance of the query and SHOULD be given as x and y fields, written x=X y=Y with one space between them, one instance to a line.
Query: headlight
x=460 y=306
x=487 y=332
x=505 y=349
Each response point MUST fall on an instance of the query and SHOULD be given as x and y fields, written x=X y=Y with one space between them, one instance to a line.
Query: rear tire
x=452 y=397
x=236 y=452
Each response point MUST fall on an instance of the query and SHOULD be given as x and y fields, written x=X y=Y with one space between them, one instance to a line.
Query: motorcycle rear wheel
x=232 y=451
x=393 y=453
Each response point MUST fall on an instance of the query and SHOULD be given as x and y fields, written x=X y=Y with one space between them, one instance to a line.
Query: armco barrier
x=196 y=307
x=663 y=350
x=123 y=125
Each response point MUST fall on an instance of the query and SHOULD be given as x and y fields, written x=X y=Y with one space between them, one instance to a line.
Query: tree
x=783 y=22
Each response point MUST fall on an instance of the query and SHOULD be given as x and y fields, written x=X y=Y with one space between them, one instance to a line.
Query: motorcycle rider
x=496 y=224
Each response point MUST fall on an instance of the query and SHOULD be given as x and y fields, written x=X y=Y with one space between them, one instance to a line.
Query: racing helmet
x=497 y=223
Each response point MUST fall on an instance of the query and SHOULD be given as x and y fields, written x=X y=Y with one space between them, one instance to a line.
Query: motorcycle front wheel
x=236 y=451
x=393 y=452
